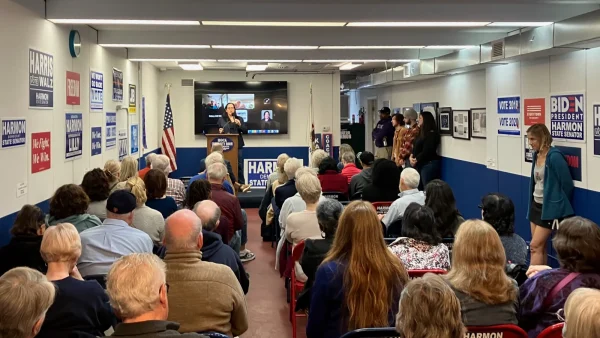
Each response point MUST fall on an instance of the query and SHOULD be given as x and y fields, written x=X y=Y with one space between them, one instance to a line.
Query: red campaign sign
x=40 y=152
x=535 y=111
x=73 y=88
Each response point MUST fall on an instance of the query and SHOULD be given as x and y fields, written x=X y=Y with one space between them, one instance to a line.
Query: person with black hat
x=360 y=181
x=383 y=135
x=104 y=244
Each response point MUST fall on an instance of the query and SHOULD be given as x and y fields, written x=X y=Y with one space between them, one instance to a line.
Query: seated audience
x=429 y=308
x=145 y=218
x=129 y=169
x=96 y=186
x=199 y=191
x=499 y=211
x=350 y=169
x=144 y=313
x=344 y=148
x=281 y=159
x=156 y=193
x=204 y=296
x=440 y=198
x=409 y=181
x=24 y=246
x=212 y=158
x=69 y=205
x=25 y=296
x=487 y=295
x=149 y=159
x=103 y=245
x=331 y=180
x=582 y=311
x=386 y=180
x=315 y=250
x=420 y=246
x=175 y=187
x=360 y=181
x=81 y=307
x=358 y=264
x=213 y=249
x=577 y=244
x=112 y=169
x=289 y=188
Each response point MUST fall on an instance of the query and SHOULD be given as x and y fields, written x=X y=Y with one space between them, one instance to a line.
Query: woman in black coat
x=386 y=182
x=231 y=123
x=425 y=158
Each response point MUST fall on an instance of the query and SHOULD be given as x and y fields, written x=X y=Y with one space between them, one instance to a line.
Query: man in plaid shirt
x=175 y=187
x=410 y=119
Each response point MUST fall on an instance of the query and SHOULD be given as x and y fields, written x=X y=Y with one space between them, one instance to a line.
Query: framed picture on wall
x=431 y=107
x=461 y=124
x=445 y=121
x=478 y=124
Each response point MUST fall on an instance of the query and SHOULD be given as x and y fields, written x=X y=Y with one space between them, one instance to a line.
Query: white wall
x=326 y=105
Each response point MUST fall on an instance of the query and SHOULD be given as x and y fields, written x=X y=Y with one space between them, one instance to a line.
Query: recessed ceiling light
x=134 y=45
x=274 y=23
x=341 y=61
x=417 y=24
x=349 y=66
x=262 y=47
x=262 y=61
x=519 y=24
x=125 y=22
x=450 y=47
x=172 y=60
x=191 y=66
x=371 y=47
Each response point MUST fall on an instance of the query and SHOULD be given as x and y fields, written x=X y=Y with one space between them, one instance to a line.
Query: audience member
x=212 y=158
x=315 y=250
x=487 y=295
x=499 y=211
x=582 y=310
x=344 y=148
x=213 y=249
x=399 y=132
x=103 y=245
x=409 y=181
x=149 y=159
x=218 y=147
x=316 y=157
x=156 y=193
x=424 y=156
x=386 y=182
x=289 y=188
x=223 y=308
x=145 y=218
x=199 y=191
x=410 y=122
x=129 y=168
x=429 y=308
x=175 y=188
x=281 y=159
x=440 y=198
x=577 y=244
x=69 y=204
x=550 y=191
x=112 y=169
x=350 y=168
x=96 y=186
x=25 y=296
x=331 y=180
x=81 y=307
x=360 y=181
x=131 y=286
x=24 y=246
x=383 y=135
x=420 y=246
x=358 y=264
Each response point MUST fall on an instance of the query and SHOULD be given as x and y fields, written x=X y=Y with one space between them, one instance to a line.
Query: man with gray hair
x=350 y=169
x=218 y=148
x=409 y=182
x=214 y=250
x=175 y=188
x=144 y=313
x=149 y=159
x=212 y=158
x=220 y=309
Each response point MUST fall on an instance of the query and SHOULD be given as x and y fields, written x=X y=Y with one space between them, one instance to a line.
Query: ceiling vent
x=498 y=50
x=187 y=82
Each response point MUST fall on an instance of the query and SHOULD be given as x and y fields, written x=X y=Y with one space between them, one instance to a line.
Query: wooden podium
x=230 y=147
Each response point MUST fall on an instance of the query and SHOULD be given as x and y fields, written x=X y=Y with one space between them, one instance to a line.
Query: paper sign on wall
x=14 y=132
x=96 y=91
x=117 y=85
x=41 y=79
x=535 y=111
x=40 y=152
x=111 y=130
x=132 y=99
x=73 y=135
x=567 y=116
x=96 y=141
x=73 y=88
x=528 y=150
x=328 y=143
x=573 y=156
x=135 y=138
x=597 y=129
x=509 y=115
x=122 y=144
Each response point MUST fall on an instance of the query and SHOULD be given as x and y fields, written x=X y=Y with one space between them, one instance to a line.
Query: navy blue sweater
x=215 y=251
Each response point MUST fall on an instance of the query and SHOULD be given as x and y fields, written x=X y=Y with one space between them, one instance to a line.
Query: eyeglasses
x=560 y=314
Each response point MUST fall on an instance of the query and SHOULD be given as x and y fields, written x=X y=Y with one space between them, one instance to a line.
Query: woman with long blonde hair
x=358 y=285
x=145 y=218
x=112 y=169
x=582 y=314
x=487 y=295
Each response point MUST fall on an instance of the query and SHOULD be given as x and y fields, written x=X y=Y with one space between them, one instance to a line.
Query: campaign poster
x=328 y=143
x=96 y=90
x=535 y=111
x=40 y=152
x=73 y=135
x=257 y=171
x=132 y=99
x=597 y=129
x=528 y=150
x=96 y=141
x=14 y=132
x=73 y=88
x=573 y=156
x=111 y=130
x=41 y=79
x=135 y=130
x=117 y=85
x=318 y=141
x=123 y=144
x=567 y=113
x=509 y=115
x=226 y=142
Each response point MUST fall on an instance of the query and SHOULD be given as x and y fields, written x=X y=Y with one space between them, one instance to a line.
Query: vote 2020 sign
x=567 y=113
x=509 y=115
x=73 y=135
x=257 y=171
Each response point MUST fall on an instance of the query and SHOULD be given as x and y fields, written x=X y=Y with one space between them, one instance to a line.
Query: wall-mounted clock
x=74 y=43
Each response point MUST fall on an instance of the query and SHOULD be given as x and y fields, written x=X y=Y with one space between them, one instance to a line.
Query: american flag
x=168 y=136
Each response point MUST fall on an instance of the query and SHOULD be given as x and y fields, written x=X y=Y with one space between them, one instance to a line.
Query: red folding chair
x=412 y=274
x=295 y=287
x=504 y=331
x=382 y=207
x=554 y=331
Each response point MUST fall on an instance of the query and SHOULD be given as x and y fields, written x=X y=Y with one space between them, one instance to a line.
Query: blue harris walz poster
x=41 y=79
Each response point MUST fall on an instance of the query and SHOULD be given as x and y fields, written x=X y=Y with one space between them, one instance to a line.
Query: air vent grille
x=187 y=82
x=498 y=50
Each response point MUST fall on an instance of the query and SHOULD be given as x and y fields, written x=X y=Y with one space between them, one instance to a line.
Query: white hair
x=348 y=157
x=149 y=158
x=216 y=171
x=411 y=178
x=290 y=167
x=217 y=148
x=309 y=188
x=317 y=157
x=213 y=158
x=162 y=163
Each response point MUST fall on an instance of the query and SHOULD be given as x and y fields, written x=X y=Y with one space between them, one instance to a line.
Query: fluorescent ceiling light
x=262 y=61
x=172 y=60
x=371 y=47
x=141 y=45
x=519 y=24
x=349 y=66
x=417 y=24
x=403 y=60
x=191 y=66
x=262 y=47
x=449 y=47
x=256 y=68
x=125 y=22
x=274 y=23
x=342 y=61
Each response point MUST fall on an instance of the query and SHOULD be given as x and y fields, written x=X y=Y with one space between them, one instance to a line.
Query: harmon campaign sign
x=13 y=133
x=257 y=171
x=509 y=115
x=566 y=116
x=111 y=130
x=573 y=156
x=96 y=91
x=41 y=79
x=73 y=135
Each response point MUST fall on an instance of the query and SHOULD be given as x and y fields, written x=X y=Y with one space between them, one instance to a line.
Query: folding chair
x=373 y=333
x=554 y=331
x=382 y=207
x=412 y=274
x=335 y=195
x=504 y=331
x=295 y=287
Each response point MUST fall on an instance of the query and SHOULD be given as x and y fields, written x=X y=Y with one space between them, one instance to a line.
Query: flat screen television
x=262 y=105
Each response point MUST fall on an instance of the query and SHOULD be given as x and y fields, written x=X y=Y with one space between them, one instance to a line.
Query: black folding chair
x=373 y=333
x=335 y=195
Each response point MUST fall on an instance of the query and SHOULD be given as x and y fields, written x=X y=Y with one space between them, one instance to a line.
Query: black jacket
x=284 y=192
x=22 y=251
x=314 y=253
x=372 y=193
x=232 y=128
x=215 y=251
x=425 y=149
x=359 y=182
x=152 y=329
